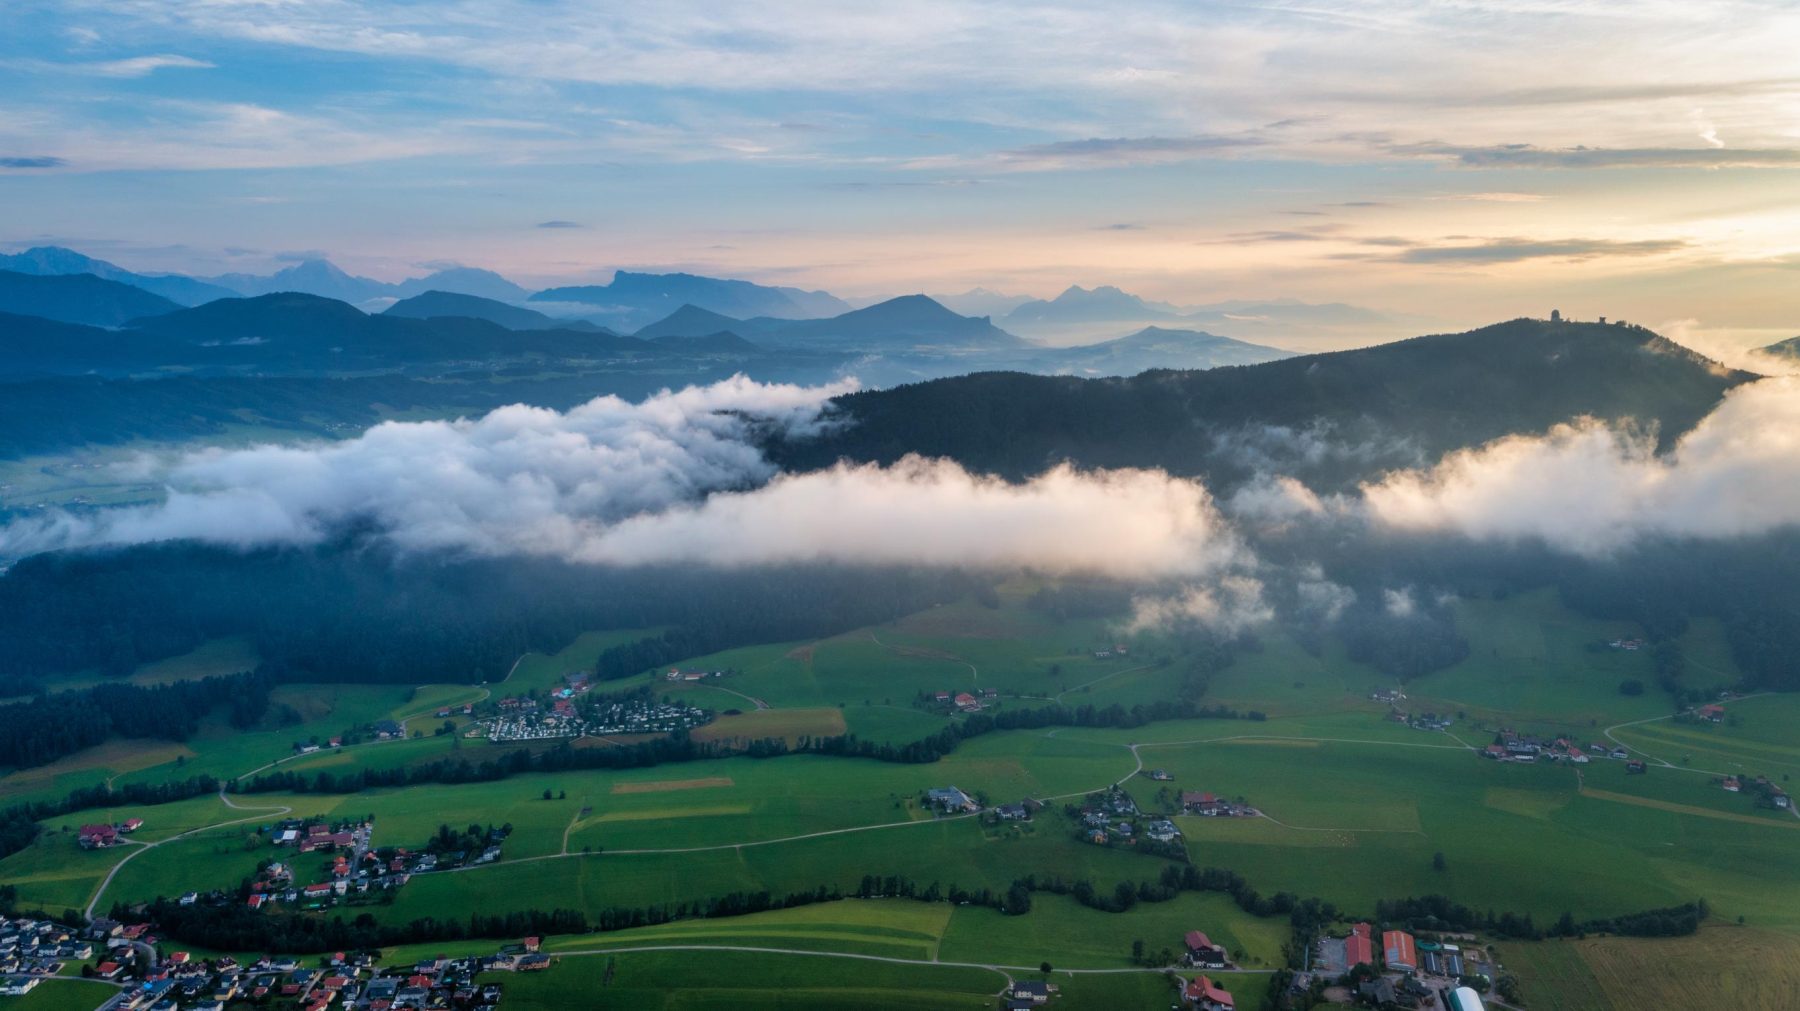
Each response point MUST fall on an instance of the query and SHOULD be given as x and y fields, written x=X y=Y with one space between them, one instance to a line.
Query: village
x=130 y=958
x=569 y=712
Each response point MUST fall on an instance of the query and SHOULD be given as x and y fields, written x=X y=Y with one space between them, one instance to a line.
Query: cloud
x=1319 y=598
x=140 y=66
x=1513 y=250
x=676 y=479
x=520 y=480
x=1399 y=603
x=31 y=162
x=1229 y=605
x=1496 y=197
x=1133 y=523
x=558 y=224
x=1106 y=152
x=1591 y=489
x=1528 y=156
x=134 y=66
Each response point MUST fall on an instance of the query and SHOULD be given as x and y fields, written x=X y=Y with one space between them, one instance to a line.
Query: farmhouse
x=1200 y=803
x=1711 y=713
x=1034 y=990
x=1399 y=951
x=1160 y=775
x=967 y=703
x=1731 y=784
x=950 y=800
x=1636 y=766
x=1205 y=995
x=95 y=837
x=1359 y=947
x=1012 y=812
x=1202 y=953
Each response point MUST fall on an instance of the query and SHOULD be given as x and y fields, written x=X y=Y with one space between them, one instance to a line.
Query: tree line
x=45 y=728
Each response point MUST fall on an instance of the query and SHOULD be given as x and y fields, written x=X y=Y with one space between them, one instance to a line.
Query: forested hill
x=1420 y=397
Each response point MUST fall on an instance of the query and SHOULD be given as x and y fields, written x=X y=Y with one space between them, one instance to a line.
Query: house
x=1711 y=713
x=17 y=986
x=1160 y=775
x=1399 y=951
x=1202 y=953
x=98 y=836
x=1034 y=990
x=1162 y=830
x=1731 y=784
x=1495 y=752
x=1204 y=994
x=1781 y=801
x=1576 y=755
x=966 y=702
x=386 y=729
x=1012 y=812
x=1619 y=753
x=532 y=944
x=131 y=824
x=1200 y=803
x=950 y=800
x=1636 y=766
x=533 y=963
x=1359 y=947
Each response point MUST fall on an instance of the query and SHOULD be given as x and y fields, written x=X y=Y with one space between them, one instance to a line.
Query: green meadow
x=1356 y=807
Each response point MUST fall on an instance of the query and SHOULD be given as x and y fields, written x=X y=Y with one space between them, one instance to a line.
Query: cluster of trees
x=1434 y=913
x=354 y=611
x=18 y=823
x=236 y=927
x=50 y=726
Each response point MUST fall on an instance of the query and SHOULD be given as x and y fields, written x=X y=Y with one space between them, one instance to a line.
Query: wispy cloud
x=31 y=162
x=558 y=224
x=1528 y=156
x=1512 y=250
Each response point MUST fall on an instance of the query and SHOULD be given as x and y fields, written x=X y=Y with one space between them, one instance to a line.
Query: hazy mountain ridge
x=77 y=298
x=432 y=304
x=52 y=261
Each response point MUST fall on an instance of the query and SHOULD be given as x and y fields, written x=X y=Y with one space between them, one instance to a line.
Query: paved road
x=993 y=967
x=1664 y=763
x=263 y=813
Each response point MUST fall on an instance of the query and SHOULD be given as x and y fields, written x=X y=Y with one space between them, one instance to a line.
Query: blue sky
x=1454 y=160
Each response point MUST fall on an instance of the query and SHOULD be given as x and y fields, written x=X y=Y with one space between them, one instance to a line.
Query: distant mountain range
x=435 y=304
x=632 y=299
x=982 y=302
x=1080 y=313
x=77 y=298
x=57 y=261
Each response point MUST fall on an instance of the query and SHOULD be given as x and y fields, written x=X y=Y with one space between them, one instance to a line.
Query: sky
x=1448 y=162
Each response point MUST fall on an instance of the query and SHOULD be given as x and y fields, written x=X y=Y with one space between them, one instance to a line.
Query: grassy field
x=1535 y=664
x=61 y=995
x=1357 y=808
x=1722 y=966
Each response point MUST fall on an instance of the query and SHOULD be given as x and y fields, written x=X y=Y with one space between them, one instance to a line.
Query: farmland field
x=1743 y=968
x=1356 y=808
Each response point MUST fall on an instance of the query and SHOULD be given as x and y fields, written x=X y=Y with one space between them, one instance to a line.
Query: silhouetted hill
x=1084 y=305
x=1789 y=348
x=35 y=346
x=1418 y=397
x=633 y=300
x=1156 y=347
x=688 y=321
x=463 y=281
x=722 y=343
x=77 y=298
x=904 y=322
x=445 y=303
x=56 y=260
